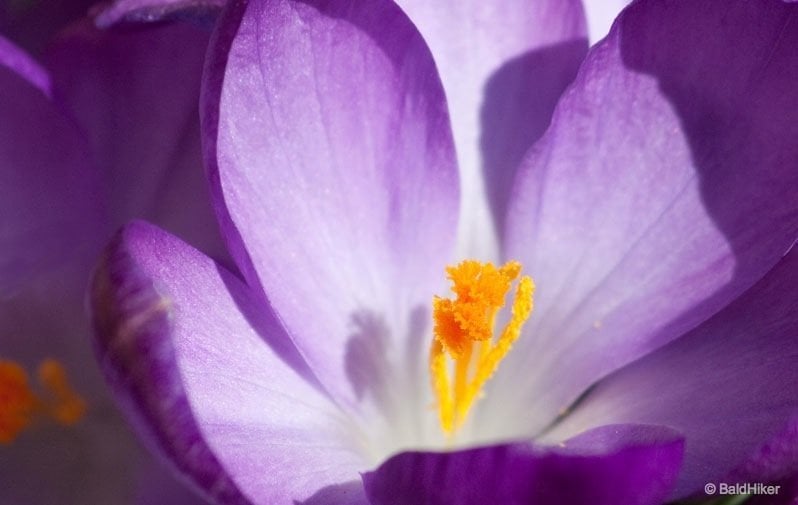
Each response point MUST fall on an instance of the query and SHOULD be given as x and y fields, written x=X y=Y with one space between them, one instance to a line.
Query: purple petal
x=633 y=465
x=19 y=62
x=727 y=386
x=336 y=181
x=157 y=10
x=194 y=358
x=504 y=65
x=50 y=210
x=136 y=95
x=664 y=188
x=51 y=219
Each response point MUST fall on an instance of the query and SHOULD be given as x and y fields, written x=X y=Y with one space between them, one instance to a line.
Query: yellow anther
x=20 y=405
x=468 y=321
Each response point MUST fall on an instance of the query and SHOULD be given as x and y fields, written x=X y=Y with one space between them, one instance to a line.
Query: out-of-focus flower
x=656 y=214
x=105 y=131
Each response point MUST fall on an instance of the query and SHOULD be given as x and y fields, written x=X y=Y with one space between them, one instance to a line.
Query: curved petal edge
x=131 y=322
x=630 y=464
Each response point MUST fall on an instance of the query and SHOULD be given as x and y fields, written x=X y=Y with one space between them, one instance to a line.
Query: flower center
x=20 y=405
x=464 y=353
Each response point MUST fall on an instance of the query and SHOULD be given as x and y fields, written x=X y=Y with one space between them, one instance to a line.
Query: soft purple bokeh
x=78 y=138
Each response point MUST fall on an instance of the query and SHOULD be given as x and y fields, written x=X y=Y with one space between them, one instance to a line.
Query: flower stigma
x=20 y=405
x=463 y=334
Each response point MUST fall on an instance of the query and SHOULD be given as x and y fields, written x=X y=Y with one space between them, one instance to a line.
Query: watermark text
x=749 y=488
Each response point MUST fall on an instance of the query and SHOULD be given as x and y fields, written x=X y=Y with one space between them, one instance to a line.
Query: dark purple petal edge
x=615 y=464
x=131 y=322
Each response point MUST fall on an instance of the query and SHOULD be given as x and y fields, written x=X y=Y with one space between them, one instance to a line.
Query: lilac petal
x=664 y=188
x=157 y=10
x=49 y=208
x=336 y=181
x=735 y=389
x=194 y=358
x=135 y=93
x=18 y=61
x=503 y=65
x=634 y=465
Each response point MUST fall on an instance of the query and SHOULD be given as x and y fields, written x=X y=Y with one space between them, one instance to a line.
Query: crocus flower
x=106 y=131
x=656 y=215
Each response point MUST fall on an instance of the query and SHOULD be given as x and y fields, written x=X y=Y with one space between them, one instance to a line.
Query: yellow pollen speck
x=19 y=405
x=463 y=333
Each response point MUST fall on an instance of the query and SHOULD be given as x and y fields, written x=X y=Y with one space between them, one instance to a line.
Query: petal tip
x=131 y=320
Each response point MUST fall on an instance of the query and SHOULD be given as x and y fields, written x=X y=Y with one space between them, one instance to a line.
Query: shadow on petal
x=732 y=88
x=516 y=110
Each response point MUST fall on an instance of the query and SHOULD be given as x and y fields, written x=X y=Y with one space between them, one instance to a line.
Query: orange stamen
x=20 y=405
x=17 y=401
x=468 y=321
